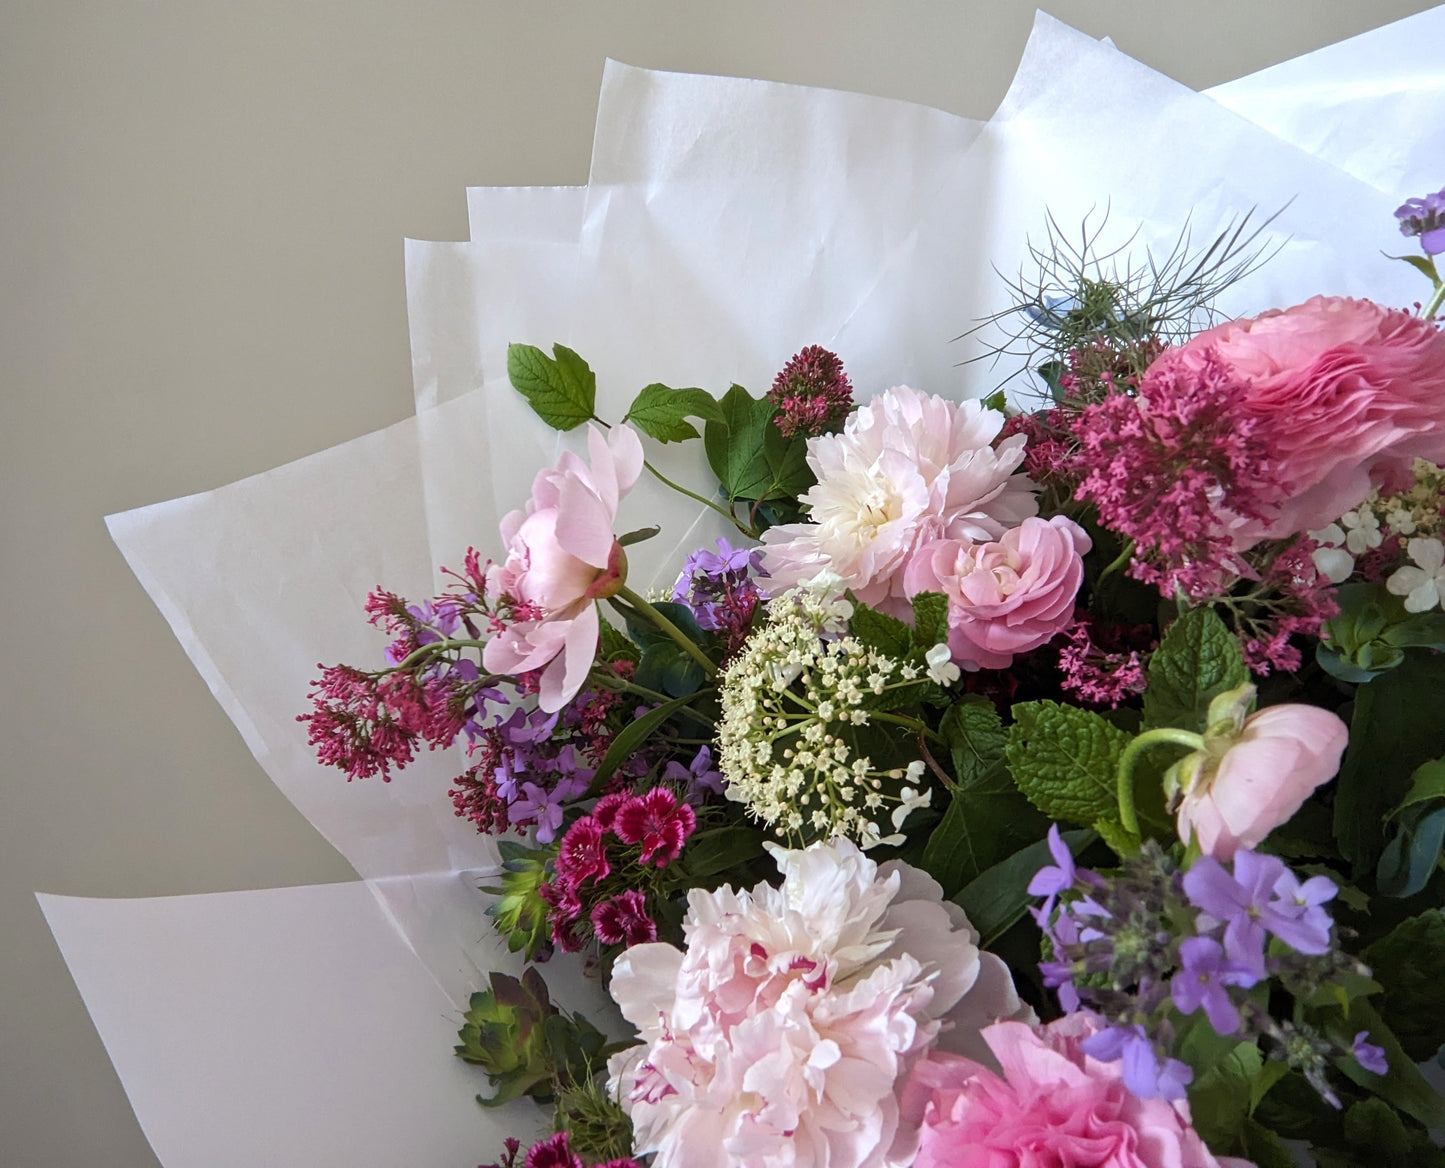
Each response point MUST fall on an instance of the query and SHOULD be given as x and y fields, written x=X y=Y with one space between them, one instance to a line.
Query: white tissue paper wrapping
x=726 y=224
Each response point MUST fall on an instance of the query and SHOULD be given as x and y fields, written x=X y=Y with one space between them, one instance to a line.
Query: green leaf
x=987 y=820
x=1066 y=759
x=999 y=895
x=1426 y=784
x=614 y=644
x=1263 y=1147
x=661 y=412
x=1221 y=1099
x=630 y=737
x=1198 y=659
x=1124 y=843
x=930 y=619
x=1425 y=265
x=1409 y=962
x=976 y=738
x=1373 y=1124
x=1409 y=860
x=1402 y=1086
x=749 y=454
x=880 y=631
x=709 y=852
x=562 y=390
x=1395 y=728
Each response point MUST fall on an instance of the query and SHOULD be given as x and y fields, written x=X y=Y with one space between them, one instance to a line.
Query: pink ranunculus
x=1005 y=597
x=1053 y=1105
x=1280 y=755
x=906 y=469
x=561 y=557
x=1348 y=392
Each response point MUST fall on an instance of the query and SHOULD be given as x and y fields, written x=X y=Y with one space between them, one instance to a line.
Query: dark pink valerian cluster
x=1173 y=468
x=1292 y=599
x=623 y=832
x=1103 y=665
x=812 y=393
x=1048 y=456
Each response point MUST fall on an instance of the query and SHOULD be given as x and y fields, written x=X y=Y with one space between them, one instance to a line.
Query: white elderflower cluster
x=792 y=701
x=1418 y=512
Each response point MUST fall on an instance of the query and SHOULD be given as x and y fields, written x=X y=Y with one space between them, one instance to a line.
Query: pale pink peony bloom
x=562 y=557
x=907 y=468
x=1278 y=757
x=1053 y=1105
x=1004 y=597
x=1349 y=393
x=779 y=1038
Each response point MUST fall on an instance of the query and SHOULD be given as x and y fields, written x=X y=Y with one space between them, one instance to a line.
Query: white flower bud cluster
x=790 y=700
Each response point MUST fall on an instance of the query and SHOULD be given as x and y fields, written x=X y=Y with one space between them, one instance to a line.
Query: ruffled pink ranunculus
x=907 y=468
x=1279 y=756
x=561 y=557
x=1005 y=597
x=1347 y=390
x=1053 y=1105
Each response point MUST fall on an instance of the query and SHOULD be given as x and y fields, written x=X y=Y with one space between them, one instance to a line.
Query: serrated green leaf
x=930 y=620
x=749 y=454
x=880 y=631
x=1123 y=842
x=998 y=897
x=1198 y=659
x=976 y=739
x=561 y=390
x=1409 y=962
x=1066 y=759
x=661 y=412
x=1220 y=1100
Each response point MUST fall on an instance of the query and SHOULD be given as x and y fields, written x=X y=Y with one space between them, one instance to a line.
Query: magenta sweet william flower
x=1008 y=596
x=658 y=822
x=553 y=1152
x=624 y=919
x=1233 y=799
x=1346 y=391
x=1053 y=1104
x=561 y=557
x=582 y=855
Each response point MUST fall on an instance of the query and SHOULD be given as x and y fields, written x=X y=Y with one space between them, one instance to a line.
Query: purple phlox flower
x=1369 y=1056
x=571 y=767
x=1204 y=979
x=1425 y=218
x=699 y=776
x=1144 y=1074
x=526 y=729
x=717 y=586
x=1248 y=903
x=539 y=804
x=1059 y=975
x=1052 y=879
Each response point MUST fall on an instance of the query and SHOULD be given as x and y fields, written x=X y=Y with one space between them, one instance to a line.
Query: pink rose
x=1005 y=597
x=1052 y=1105
x=1346 y=390
x=1279 y=756
x=561 y=558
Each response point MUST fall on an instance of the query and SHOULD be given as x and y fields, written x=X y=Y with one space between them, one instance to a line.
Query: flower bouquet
x=1049 y=773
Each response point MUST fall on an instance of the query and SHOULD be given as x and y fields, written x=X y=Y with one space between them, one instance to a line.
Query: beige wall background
x=202 y=208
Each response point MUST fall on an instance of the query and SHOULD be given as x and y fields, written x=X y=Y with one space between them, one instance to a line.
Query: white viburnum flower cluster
x=1418 y=512
x=789 y=699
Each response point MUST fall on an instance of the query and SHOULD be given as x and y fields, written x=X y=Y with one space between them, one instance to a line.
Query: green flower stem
x=1127 y=815
x=1118 y=562
x=920 y=728
x=663 y=625
x=617 y=685
x=750 y=532
x=1435 y=302
x=431 y=649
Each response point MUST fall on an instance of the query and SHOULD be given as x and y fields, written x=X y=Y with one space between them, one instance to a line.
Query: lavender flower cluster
x=1151 y=944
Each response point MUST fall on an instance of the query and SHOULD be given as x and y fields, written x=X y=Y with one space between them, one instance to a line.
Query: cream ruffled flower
x=907 y=468
x=780 y=1038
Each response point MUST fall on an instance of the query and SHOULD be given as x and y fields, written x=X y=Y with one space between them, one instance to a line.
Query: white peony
x=907 y=468
x=782 y=1034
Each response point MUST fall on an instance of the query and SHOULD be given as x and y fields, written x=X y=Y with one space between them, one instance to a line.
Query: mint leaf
x=878 y=630
x=1197 y=660
x=561 y=391
x=1065 y=760
x=660 y=412
x=1409 y=962
x=930 y=619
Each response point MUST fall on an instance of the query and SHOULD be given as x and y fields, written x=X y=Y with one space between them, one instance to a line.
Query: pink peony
x=561 y=557
x=779 y=1038
x=1053 y=1106
x=1346 y=390
x=1005 y=597
x=1234 y=799
x=907 y=468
